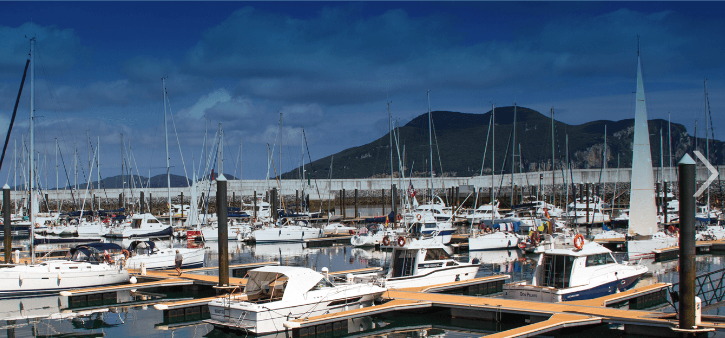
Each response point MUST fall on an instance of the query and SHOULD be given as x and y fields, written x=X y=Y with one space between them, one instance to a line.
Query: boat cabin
x=556 y=266
x=93 y=252
x=414 y=260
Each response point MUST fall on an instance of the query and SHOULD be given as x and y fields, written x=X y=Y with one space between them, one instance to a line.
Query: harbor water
x=44 y=316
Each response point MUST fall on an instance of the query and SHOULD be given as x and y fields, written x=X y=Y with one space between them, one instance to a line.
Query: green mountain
x=459 y=143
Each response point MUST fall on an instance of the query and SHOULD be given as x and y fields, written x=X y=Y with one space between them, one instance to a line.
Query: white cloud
x=208 y=101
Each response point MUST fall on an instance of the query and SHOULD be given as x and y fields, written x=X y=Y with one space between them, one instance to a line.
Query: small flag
x=546 y=212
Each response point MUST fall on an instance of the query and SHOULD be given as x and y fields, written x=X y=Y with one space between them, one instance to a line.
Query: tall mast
x=430 y=144
x=707 y=142
x=390 y=139
x=57 y=183
x=669 y=141
x=221 y=150
x=553 y=166
x=168 y=171
x=493 y=159
x=513 y=157
x=98 y=167
x=123 y=180
x=31 y=198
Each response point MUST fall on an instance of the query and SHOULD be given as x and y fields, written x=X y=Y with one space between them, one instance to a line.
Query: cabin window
x=135 y=224
x=557 y=271
x=152 y=221
x=600 y=259
x=430 y=225
x=436 y=254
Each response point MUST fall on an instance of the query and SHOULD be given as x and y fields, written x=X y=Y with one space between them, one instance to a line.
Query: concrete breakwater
x=378 y=191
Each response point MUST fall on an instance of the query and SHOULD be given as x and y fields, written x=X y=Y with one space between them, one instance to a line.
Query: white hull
x=165 y=259
x=287 y=234
x=45 y=278
x=259 y=319
x=645 y=248
x=445 y=275
x=493 y=241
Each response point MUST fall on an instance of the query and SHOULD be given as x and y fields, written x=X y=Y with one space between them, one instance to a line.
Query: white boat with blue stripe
x=568 y=274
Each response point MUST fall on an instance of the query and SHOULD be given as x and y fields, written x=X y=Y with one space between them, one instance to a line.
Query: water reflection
x=51 y=316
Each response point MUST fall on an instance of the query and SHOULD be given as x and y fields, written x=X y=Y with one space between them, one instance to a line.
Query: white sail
x=643 y=212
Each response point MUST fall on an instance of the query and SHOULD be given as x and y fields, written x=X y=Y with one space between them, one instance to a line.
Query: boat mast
x=32 y=142
x=493 y=160
x=430 y=145
x=553 y=166
x=390 y=139
x=669 y=141
x=513 y=157
x=707 y=143
x=168 y=171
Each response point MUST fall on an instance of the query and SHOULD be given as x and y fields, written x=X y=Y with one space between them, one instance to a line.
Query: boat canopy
x=292 y=282
x=381 y=219
x=510 y=226
x=149 y=245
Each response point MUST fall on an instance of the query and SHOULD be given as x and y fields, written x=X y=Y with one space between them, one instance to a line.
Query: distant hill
x=460 y=139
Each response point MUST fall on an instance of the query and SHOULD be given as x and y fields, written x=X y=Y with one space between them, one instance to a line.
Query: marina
x=225 y=170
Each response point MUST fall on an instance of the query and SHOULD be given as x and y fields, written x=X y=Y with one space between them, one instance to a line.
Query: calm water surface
x=144 y=321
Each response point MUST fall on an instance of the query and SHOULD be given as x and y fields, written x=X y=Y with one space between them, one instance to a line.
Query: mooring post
x=588 y=204
x=297 y=201
x=151 y=199
x=6 y=224
x=273 y=202
x=182 y=205
x=383 y=192
x=120 y=201
x=254 y=201
x=221 y=209
x=342 y=204
x=356 y=205
x=687 y=185
x=394 y=207
x=143 y=203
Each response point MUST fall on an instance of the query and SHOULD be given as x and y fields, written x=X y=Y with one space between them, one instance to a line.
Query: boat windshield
x=557 y=270
x=436 y=254
x=323 y=283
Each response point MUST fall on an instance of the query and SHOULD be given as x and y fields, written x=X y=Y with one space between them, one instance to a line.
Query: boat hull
x=297 y=234
x=21 y=281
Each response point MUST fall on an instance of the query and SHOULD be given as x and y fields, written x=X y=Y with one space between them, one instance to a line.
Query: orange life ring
x=37 y=225
x=672 y=229
x=419 y=217
x=125 y=253
x=579 y=241
x=386 y=240
x=401 y=241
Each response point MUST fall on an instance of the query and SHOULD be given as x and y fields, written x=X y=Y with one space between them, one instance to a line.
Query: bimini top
x=293 y=281
x=142 y=244
x=590 y=248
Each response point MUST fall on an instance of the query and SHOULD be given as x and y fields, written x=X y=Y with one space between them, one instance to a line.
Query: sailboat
x=643 y=233
x=83 y=269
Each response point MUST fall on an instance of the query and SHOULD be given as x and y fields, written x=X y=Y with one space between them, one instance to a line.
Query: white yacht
x=236 y=230
x=568 y=274
x=503 y=236
x=274 y=295
x=287 y=233
x=339 y=228
x=436 y=209
x=373 y=234
x=156 y=255
x=85 y=268
x=486 y=212
x=141 y=225
x=590 y=210
x=416 y=263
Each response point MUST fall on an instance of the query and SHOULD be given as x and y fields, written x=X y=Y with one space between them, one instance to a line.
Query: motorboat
x=586 y=210
x=567 y=274
x=415 y=263
x=373 y=234
x=503 y=261
x=236 y=230
x=274 y=295
x=436 y=209
x=297 y=232
x=141 y=225
x=486 y=212
x=85 y=268
x=339 y=228
x=502 y=236
x=157 y=256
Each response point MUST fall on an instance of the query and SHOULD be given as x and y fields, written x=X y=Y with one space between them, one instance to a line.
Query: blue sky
x=330 y=68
